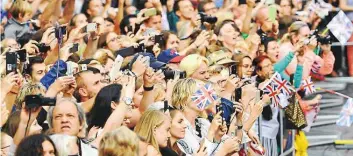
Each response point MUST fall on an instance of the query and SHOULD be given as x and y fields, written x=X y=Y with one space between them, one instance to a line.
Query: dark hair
x=12 y=123
x=265 y=40
x=24 y=39
x=32 y=145
x=101 y=110
x=85 y=7
x=202 y=4
x=256 y=62
x=166 y=35
x=32 y=60
x=125 y=22
x=102 y=41
x=176 y=6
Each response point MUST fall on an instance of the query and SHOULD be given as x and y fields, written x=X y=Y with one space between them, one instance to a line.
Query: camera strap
x=198 y=127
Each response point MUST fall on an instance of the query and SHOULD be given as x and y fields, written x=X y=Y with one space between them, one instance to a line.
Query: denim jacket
x=51 y=75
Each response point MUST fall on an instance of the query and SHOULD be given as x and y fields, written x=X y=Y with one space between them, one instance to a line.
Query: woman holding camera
x=298 y=33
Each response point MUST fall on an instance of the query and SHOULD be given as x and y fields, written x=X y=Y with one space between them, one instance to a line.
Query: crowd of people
x=157 y=77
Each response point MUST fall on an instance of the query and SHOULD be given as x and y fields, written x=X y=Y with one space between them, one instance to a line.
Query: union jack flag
x=308 y=86
x=346 y=115
x=282 y=85
x=204 y=96
x=272 y=93
x=277 y=86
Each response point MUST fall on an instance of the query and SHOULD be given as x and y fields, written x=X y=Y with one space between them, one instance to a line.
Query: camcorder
x=43 y=48
x=172 y=74
x=33 y=101
x=321 y=39
x=207 y=18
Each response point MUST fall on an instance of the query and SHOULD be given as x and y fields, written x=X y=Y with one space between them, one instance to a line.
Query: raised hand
x=150 y=78
x=139 y=67
x=64 y=53
x=61 y=83
x=9 y=81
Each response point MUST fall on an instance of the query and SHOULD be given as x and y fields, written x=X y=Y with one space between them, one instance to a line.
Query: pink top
x=326 y=62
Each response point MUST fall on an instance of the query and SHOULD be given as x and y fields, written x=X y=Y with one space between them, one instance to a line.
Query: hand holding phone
x=11 y=62
x=90 y=27
x=116 y=67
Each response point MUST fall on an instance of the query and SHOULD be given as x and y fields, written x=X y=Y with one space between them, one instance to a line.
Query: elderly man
x=69 y=118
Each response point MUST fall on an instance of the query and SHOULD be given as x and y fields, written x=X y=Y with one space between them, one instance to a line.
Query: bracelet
x=148 y=88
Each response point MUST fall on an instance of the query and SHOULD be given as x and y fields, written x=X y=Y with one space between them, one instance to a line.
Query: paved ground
x=325 y=131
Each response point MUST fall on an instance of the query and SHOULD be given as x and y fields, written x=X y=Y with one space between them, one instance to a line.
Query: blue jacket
x=51 y=75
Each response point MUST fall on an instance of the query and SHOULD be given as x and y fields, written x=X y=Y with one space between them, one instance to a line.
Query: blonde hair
x=102 y=56
x=28 y=89
x=149 y=121
x=293 y=29
x=191 y=63
x=20 y=7
x=160 y=92
x=182 y=92
x=119 y=142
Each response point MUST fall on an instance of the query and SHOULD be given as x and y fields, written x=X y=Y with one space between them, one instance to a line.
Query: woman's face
x=286 y=8
x=35 y=128
x=201 y=73
x=162 y=133
x=228 y=35
x=246 y=67
x=81 y=20
x=109 y=65
x=48 y=148
x=273 y=51
x=113 y=42
x=172 y=42
x=109 y=26
x=177 y=129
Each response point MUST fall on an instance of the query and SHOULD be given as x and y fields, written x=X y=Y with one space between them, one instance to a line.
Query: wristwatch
x=127 y=101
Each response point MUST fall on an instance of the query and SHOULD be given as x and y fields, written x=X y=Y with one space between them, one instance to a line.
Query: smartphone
x=74 y=48
x=140 y=48
x=42 y=47
x=159 y=39
x=116 y=67
x=272 y=13
x=11 y=62
x=233 y=70
x=22 y=55
x=90 y=27
x=129 y=28
x=60 y=32
x=150 y=12
x=238 y=94
x=70 y=68
x=125 y=52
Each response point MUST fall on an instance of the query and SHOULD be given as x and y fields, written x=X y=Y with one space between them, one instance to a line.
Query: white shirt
x=191 y=142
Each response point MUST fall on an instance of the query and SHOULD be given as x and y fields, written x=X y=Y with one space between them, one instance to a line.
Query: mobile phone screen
x=11 y=62
x=74 y=48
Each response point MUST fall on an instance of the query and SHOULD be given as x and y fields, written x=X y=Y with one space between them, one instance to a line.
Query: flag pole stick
x=333 y=92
